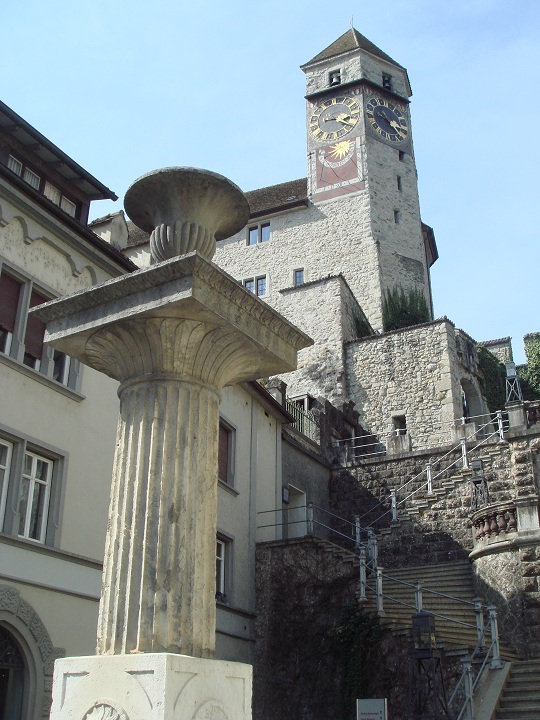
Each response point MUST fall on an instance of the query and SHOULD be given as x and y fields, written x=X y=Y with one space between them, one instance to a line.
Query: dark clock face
x=387 y=119
x=333 y=118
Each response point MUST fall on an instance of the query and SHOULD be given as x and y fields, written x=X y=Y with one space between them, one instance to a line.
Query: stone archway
x=21 y=622
x=473 y=405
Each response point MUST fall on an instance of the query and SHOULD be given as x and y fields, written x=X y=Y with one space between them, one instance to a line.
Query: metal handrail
x=431 y=592
x=479 y=444
x=493 y=418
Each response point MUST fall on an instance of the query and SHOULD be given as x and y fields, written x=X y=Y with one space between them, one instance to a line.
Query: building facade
x=57 y=437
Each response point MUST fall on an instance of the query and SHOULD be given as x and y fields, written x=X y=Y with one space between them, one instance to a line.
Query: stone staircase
x=450 y=579
x=454 y=584
x=442 y=486
x=520 y=699
x=446 y=481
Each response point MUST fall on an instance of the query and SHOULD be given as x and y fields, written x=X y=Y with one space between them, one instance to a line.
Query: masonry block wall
x=305 y=594
x=320 y=367
x=416 y=373
x=328 y=239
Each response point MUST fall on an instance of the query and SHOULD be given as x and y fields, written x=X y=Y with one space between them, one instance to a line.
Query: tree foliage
x=529 y=374
x=494 y=379
x=359 y=635
x=404 y=308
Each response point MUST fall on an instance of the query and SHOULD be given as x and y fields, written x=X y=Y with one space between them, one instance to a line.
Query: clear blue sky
x=127 y=87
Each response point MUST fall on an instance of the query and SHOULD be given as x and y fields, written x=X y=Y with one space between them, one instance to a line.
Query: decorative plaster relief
x=211 y=710
x=16 y=231
x=104 y=710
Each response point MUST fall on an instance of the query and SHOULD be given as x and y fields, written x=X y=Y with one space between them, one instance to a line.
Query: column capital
x=164 y=302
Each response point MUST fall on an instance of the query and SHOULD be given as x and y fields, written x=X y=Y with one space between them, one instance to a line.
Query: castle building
x=332 y=251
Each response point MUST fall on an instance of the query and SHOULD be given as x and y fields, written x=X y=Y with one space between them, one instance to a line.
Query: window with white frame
x=27 y=483
x=259 y=233
x=221 y=569
x=53 y=194
x=6 y=452
x=50 y=191
x=21 y=334
x=258 y=285
x=29 y=176
x=34 y=494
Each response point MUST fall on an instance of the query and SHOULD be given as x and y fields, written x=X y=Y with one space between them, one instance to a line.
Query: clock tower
x=361 y=171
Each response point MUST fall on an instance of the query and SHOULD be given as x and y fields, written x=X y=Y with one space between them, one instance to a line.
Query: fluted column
x=158 y=590
x=159 y=575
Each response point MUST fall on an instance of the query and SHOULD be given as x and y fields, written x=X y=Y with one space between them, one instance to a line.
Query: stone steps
x=520 y=699
x=424 y=501
x=452 y=579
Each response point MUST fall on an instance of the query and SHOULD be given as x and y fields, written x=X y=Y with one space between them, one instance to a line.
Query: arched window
x=12 y=672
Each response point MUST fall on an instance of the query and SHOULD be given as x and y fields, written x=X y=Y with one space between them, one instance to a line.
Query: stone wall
x=306 y=664
x=361 y=66
x=327 y=310
x=438 y=529
x=415 y=372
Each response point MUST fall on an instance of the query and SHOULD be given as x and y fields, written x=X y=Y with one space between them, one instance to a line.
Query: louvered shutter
x=223 y=453
x=10 y=291
x=35 y=329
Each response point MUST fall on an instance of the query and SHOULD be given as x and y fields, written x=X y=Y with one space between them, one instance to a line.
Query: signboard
x=371 y=709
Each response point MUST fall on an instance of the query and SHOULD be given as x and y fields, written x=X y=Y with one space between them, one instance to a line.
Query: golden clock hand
x=397 y=127
x=342 y=118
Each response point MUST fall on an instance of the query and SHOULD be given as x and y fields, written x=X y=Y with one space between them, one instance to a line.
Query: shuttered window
x=10 y=291
x=223 y=453
x=17 y=296
x=35 y=331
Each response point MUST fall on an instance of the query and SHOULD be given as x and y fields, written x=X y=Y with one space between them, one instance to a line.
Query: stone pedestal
x=159 y=686
x=174 y=335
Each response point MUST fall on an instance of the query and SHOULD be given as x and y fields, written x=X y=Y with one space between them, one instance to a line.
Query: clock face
x=333 y=118
x=387 y=119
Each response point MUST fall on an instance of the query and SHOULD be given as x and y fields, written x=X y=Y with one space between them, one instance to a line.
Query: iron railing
x=353 y=450
x=363 y=542
x=304 y=422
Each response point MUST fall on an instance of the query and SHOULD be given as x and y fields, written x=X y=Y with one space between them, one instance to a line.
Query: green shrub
x=404 y=308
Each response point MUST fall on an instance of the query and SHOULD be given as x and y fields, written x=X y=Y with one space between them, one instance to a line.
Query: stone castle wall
x=327 y=311
x=328 y=239
x=361 y=66
x=416 y=372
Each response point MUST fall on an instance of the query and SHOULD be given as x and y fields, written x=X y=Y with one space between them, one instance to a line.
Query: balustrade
x=493 y=521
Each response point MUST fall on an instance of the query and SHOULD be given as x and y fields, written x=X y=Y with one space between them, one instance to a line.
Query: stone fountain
x=173 y=334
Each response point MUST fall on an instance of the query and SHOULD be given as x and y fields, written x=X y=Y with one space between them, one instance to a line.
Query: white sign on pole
x=371 y=709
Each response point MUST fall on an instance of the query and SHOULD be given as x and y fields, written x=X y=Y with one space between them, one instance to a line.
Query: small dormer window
x=334 y=77
x=15 y=165
x=387 y=82
x=31 y=178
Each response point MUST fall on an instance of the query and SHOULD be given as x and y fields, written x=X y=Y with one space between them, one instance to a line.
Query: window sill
x=34 y=546
x=228 y=487
x=31 y=373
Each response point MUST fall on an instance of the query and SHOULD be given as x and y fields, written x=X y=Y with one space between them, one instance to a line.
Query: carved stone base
x=150 y=686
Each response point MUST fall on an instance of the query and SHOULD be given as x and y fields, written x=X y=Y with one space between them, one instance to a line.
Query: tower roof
x=348 y=42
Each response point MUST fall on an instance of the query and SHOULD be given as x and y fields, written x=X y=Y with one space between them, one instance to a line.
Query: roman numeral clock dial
x=334 y=118
x=387 y=120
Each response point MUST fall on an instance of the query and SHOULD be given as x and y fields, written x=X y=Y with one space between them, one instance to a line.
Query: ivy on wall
x=529 y=374
x=404 y=308
x=494 y=379
x=359 y=635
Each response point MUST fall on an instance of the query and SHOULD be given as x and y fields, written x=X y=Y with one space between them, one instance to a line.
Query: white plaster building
x=57 y=435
